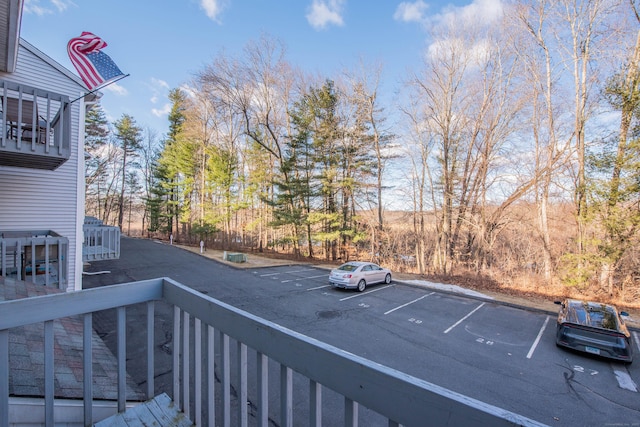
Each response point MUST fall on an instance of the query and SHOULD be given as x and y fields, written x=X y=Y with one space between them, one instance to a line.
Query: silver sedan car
x=357 y=275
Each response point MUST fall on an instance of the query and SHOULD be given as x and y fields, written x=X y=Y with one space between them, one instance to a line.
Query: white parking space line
x=537 y=341
x=303 y=278
x=361 y=294
x=464 y=318
x=636 y=339
x=286 y=272
x=625 y=381
x=410 y=302
x=318 y=287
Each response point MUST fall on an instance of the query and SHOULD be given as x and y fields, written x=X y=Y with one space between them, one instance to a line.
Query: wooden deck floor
x=159 y=411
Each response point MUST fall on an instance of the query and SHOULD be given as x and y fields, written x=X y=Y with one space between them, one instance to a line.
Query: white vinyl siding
x=33 y=199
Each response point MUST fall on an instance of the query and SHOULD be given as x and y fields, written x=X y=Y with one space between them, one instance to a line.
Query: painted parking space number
x=578 y=368
x=416 y=321
x=363 y=305
x=483 y=341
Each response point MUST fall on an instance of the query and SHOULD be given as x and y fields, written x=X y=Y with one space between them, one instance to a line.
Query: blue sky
x=161 y=44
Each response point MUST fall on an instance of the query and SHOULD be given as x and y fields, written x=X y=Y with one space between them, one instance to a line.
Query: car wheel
x=387 y=279
x=362 y=285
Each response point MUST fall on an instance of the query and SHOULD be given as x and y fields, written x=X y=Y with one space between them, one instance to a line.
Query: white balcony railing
x=398 y=398
x=38 y=256
x=101 y=242
x=34 y=127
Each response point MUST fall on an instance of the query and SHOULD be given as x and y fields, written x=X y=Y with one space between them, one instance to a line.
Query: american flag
x=95 y=68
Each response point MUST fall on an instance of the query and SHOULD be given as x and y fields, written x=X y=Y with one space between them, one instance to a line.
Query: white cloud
x=482 y=11
x=159 y=90
x=117 y=89
x=191 y=92
x=478 y=14
x=34 y=7
x=411 y=12
x=159 y=83
x=37 y=7
x=325 y=12
x=213 y=8
x=62 y=5
x=477 y=53
x=162 y=112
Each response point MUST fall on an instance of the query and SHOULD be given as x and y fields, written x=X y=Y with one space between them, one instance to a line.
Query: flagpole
x=100 y=87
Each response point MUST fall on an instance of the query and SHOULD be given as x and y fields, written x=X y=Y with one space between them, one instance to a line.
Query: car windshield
x=348 y=267
x=596 y=315
x=603 y=318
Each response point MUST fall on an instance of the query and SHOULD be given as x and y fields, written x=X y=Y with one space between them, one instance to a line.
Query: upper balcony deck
x=35 y=127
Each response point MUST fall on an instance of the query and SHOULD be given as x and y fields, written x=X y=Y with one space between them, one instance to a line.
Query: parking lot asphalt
x=482 y=346
x=257 y=261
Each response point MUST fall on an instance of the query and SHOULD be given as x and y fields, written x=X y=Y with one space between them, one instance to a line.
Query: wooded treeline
x=513 y=150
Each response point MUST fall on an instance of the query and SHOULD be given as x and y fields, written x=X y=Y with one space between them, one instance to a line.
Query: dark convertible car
x=594 y=328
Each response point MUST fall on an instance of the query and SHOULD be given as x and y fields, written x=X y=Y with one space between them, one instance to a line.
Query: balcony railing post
x=48 y=374
x=286 y=396
x=350 y=413
x=315 y=404
x=87 y=366
x=34 y=123
x=150 y=350
x=121 y=327
x=186 y=405
x=262 y=363
x=63 y=273
x=19 y=123
x=197 y=337
x=176 y=355
x=225 y=366
x=3 y=257
x=47 y=277
x=47 y=129
x=32 y=248
x=4 y=378
x=3 y=133
x=211 y=376
x=18 y=253
x=242 y=385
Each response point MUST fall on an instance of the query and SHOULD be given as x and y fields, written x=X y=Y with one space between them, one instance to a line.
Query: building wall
x=33 y=199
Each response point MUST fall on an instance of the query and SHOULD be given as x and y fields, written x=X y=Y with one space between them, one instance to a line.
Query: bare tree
x=419 y=149
x=582 y=22
x=441 y=89
x=541 y=73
